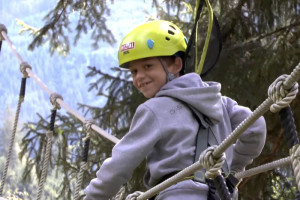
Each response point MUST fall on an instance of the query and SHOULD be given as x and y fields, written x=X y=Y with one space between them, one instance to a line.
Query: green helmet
x=155 y=38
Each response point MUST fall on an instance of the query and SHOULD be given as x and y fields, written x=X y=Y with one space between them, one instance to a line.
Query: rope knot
x=2 y=29
x=210 y=163
x=87 y=127
x=23 y=67
x=280 y=95
x=53 y=100
x=49 y=134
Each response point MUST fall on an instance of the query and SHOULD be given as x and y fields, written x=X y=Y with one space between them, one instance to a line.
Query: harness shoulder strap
x=202 y=142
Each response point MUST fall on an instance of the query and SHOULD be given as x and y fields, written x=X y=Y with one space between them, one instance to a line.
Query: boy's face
x=148 y=75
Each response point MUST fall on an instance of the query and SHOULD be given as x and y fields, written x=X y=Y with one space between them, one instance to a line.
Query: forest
x=260 y=42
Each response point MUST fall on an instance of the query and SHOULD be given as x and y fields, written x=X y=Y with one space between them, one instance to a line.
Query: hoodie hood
x=202 y=97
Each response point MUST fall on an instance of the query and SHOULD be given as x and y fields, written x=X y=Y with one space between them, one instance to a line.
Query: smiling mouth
x=144 y=84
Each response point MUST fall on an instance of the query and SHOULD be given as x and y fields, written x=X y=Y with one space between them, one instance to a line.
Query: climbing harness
x=205 y=139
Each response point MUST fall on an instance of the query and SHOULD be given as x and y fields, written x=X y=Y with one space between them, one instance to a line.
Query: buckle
x=199 y=176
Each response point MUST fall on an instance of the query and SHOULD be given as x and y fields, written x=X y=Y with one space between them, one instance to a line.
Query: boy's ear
x=177 y=65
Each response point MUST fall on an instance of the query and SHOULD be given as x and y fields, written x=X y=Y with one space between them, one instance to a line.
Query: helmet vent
x=171 y=32
x=167 y=38
x=172 y=27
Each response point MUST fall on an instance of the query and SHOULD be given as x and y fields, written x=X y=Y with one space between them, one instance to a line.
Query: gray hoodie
x=164 y=131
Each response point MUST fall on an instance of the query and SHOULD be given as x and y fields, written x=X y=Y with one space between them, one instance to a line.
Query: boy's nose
x=140 y=74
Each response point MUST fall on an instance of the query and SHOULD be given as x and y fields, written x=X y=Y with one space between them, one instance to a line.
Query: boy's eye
x=148 y=66
x=133 y=72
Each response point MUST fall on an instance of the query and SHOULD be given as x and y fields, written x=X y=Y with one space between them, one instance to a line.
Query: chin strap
x=170 y=76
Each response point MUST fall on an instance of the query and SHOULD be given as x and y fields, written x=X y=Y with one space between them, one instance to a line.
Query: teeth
x=143 y=84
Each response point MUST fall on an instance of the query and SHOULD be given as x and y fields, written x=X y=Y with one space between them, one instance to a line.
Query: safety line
x=49 y=92
x=263 y=168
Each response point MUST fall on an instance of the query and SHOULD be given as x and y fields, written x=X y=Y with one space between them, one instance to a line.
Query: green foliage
x=260 y=42
x=63 y=155
x=58 y=27
x=16 y=186
x=17 y=195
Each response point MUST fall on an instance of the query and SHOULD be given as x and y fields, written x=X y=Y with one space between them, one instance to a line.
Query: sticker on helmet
x=127 y=46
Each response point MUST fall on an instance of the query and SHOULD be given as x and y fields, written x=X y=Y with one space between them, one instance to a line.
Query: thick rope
x=47 y=153
x=288 y=83
x=60 y=101
x=295 y=157
x=213 y=171
x=280 y=95
x=290 y=132
x=45 y=164
x=288 y=124
x=294 y=77
x=259 y=111
x=171 y=181
x=11 y=144
x=134 y=195
x=13 y=135
x=4 y=35
x=263 y=168
x=211 y=164
x=84 y=166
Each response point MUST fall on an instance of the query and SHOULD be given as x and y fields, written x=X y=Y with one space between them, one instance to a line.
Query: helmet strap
x=170 y=76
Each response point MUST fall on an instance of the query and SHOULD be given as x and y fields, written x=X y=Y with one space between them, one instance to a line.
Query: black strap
x=231 y=182
x=212 y=191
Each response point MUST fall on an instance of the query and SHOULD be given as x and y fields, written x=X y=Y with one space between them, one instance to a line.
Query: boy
x=164 y=128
